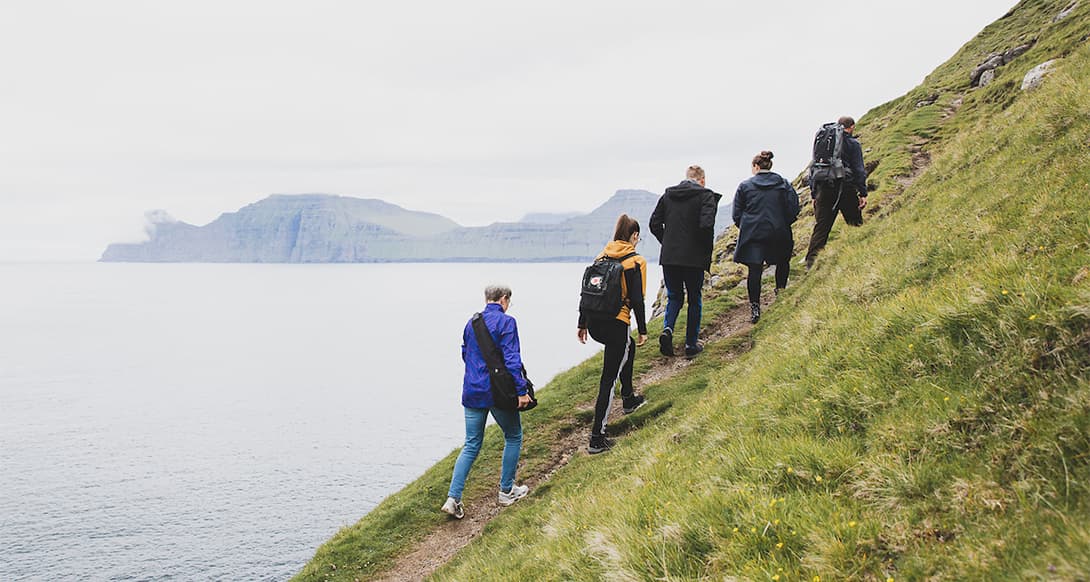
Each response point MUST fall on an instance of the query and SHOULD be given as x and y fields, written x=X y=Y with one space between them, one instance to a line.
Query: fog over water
x=197 y=421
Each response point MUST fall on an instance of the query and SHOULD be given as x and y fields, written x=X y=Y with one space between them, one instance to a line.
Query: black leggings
x=616 y=365
x=754 y=284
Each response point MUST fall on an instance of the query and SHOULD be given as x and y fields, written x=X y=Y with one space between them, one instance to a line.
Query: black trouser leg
x=824 y=216
x=753 y=285
x=849 y=207
x=616 y=366
x=782 y=271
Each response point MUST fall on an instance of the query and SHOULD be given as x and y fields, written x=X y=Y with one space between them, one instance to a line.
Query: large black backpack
x=827 y=164
x=600 y=295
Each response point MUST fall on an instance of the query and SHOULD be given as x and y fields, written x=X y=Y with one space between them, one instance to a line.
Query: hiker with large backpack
x=838 y=181
x=765 y=207
x=612 y=292
x=479 y=396
x=684 y=222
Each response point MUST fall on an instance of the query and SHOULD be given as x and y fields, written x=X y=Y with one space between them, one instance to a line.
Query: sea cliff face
x=322 y=228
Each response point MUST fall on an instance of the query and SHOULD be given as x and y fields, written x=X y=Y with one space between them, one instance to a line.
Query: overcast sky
x=481 y=111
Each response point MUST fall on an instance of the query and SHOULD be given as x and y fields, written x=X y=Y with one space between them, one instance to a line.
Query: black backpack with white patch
x=600 y=296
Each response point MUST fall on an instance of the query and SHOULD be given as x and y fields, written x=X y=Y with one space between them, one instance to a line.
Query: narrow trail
x=444 y=542
x=921 y=160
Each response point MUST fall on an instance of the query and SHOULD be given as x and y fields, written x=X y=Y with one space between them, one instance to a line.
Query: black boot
x=755 y=312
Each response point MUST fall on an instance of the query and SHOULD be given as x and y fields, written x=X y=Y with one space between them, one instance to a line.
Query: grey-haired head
x=493 y=293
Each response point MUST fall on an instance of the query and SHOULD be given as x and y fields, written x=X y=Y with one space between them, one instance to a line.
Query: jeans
x=682 y=283
x=511 y=425
x=617 y=361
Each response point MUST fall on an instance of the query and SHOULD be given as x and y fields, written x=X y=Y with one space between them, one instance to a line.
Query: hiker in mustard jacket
x=765 y=207
x=613 y=332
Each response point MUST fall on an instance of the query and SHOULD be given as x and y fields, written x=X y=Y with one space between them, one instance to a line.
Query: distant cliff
x=323 y=228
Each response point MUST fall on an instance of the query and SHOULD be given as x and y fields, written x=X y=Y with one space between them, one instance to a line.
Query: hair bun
x=766 y=154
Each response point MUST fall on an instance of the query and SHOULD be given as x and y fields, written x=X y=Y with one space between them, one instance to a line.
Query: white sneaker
x=454 y=508
x=517 y=492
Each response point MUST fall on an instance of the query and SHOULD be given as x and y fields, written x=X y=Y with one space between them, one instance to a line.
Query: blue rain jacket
x=476 y=387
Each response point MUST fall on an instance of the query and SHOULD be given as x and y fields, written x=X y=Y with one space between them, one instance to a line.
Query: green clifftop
x=915 y=407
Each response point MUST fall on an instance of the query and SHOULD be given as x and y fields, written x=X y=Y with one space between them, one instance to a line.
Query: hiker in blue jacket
x=765 y=207
x=478 y=403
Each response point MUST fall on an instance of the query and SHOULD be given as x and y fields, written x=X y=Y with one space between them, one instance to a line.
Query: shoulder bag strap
x=489 y=350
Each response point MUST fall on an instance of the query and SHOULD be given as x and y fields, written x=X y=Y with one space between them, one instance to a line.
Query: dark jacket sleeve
x=708 y=208
x=582 y=320
x=792 y=199
x=855 y=162
x=634 y=282
x=739 y=205
x=657 y=224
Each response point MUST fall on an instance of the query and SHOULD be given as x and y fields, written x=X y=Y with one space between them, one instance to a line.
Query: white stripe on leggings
x=613 y=387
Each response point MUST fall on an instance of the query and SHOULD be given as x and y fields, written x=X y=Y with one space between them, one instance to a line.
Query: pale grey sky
x=480 y=111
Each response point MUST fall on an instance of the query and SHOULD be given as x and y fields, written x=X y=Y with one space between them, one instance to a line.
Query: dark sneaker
x=808 y=263
x=692 y=351
x=630 y=404
x=754 y=312
x=666 y=342
x=453 y=507
x=599 y=444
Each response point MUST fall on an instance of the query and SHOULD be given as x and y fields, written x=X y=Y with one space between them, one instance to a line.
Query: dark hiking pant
x=828 y=198
x=753 y=285
x=616 y=365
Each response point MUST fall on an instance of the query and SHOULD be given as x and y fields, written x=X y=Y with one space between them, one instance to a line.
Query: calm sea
x=199 y=421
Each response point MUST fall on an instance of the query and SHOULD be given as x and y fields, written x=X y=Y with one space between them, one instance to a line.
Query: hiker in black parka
x=765 y=207
x=848 y=195
x=684 y=222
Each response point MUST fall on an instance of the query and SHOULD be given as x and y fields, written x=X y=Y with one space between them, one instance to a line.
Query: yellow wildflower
x=818 y=478
x=1032 y=317
x=946 y=399
x=817 y=578
x=735 y=530
x=775 y=576
x=1005 y=292
x=752 y=530
x=789 y=469
x=776 y=522
x=851 y=524
x=910 y=346
x=779 y=545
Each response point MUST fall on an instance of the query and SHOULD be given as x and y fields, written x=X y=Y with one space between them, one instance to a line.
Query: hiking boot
x=630 y=404
x=666 y=342
x=599 y=444
x=517 y=492
x=454 y=508
x=692 y=351
x=755 y=312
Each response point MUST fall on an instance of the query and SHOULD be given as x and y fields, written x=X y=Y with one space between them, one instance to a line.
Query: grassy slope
x=916 y=406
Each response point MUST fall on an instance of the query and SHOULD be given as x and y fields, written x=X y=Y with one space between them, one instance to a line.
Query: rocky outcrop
x=994 y=61
x=1036 y=75
x=1065 y=12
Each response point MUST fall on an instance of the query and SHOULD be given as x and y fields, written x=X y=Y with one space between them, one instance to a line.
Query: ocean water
x=203 y=421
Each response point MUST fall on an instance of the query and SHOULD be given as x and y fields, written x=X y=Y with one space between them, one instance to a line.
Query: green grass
x=916 y=407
